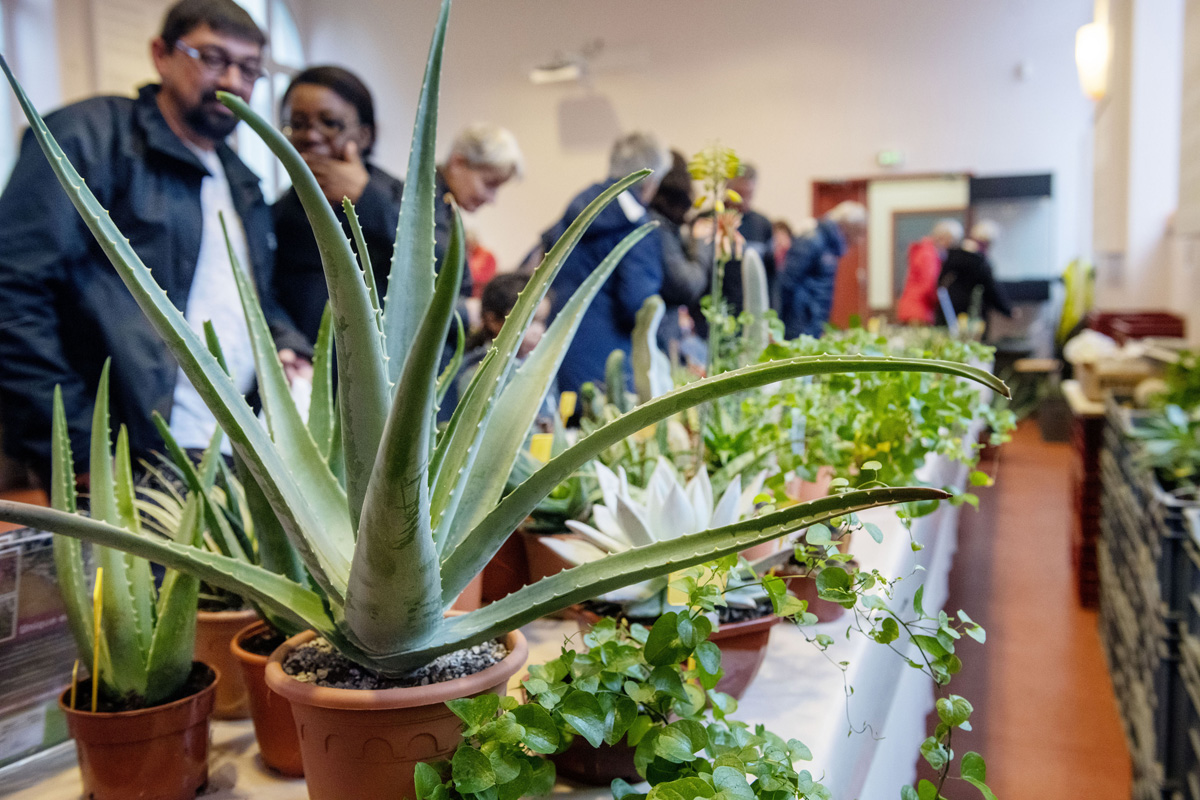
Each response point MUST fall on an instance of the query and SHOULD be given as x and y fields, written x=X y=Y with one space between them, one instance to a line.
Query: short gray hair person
x=985 y=231
x=485 y=145
x=948 y=230
x=635 y=151
x=849 y=214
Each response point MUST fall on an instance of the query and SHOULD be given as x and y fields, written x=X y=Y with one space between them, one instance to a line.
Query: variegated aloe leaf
x=395 y=590
x=643 y=563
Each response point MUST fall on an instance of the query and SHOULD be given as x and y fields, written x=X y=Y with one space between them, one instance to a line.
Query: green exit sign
x=889 y=158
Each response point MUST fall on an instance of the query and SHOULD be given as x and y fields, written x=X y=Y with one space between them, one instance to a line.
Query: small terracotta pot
x=743 y=649
x=471 y=597
x=214 y=631
x=596 y=766
x=804 y=587
x=366 y=744
x=158 y=753
x=274 y=726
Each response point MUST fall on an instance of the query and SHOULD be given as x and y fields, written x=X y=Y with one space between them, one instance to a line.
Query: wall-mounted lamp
x=1091 y=59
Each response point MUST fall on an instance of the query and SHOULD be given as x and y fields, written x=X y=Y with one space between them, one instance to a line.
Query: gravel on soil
x=319 y=663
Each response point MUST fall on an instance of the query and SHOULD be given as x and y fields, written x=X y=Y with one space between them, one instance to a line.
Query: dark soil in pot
x=726 y=615
x=198 y=679
x=318 y=663
x=264 y=642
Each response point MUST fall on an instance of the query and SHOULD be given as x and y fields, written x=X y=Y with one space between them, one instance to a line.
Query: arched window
x=284 y=58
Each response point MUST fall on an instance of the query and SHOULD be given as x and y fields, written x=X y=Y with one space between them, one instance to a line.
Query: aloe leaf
x=202 y=369
x=450 y=373
x=410 y=277
x=477 y=403
x=275 y=592
x=68 y=553
x=126 y=635
x=137 y=570
x=320 y=406
x=517 y=408
x=364 y=260
x=395 y=584
x=214 y=345
x=651 y=368
x=643 y=563
x=362 y=375
x=169 y=656
x=756 y=302
x=490 y=533
x=275 y=552
x=288 y=431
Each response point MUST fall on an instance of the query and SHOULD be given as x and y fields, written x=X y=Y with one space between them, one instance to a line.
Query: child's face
x=537 y=327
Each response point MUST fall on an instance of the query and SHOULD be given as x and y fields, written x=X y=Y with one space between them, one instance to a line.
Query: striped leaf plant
x=370 y=520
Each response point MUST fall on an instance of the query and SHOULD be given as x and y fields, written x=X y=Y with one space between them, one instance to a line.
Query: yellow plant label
x=540 y=446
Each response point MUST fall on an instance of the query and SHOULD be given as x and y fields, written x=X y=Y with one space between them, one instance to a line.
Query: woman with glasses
x=329 y=117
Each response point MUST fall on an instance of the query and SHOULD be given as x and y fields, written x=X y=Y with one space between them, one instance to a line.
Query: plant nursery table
x=800 y=691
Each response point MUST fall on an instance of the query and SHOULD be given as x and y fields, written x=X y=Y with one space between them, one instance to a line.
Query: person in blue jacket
x=806 y=286
x=608 y=323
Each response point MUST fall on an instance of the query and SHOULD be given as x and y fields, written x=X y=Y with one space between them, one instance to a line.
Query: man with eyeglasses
x=160 y=165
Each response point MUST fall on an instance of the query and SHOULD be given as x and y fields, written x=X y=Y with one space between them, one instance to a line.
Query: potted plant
x=666 y=510
x=141 y=719
x=369 y=521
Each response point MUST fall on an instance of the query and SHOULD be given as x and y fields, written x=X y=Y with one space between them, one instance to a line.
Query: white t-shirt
x=214 y=297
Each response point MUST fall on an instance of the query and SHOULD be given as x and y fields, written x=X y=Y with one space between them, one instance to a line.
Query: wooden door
x=850 y=286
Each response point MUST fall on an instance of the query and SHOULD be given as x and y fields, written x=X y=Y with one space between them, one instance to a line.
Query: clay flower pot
x=158 y=753
x=596 y=766
x=274 y=726
x=366 y=744
x=743 y=648
x=214 y=631
x=471 y=597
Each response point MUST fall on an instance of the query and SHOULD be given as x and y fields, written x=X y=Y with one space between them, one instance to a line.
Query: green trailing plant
x=651 y=689
x=147 y=637
x=389 y=517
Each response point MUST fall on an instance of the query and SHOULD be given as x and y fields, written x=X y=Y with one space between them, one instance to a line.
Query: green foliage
x=147 y=634
x=1183 y=382
x=1170 y=442
x=649 y=689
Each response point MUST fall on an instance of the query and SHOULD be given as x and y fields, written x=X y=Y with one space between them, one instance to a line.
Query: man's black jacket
x=64 y=309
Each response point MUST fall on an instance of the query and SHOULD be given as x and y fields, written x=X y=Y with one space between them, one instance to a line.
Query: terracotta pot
x=274 y=726
x=214 y=631
x=366 y=744
x=804 y=587
x=596 y=766
x=743 y=649
x=763 y=550
x=803 y=491
x=158 y=753
x=544 y=562
x=507 y=571
x=471 y=597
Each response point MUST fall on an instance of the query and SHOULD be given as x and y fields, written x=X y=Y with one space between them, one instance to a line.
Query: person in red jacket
x=918 y=302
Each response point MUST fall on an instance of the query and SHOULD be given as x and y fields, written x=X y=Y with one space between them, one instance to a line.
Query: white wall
x=806 y=90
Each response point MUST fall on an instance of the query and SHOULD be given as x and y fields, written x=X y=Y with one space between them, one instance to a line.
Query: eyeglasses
x=216 y=61
x=329 y=127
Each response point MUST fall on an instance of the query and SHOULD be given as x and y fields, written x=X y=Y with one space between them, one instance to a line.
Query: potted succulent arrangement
x=369 y=521
x=142 y=717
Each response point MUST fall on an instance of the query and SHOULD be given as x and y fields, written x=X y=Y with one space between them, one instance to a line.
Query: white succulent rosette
x=667 y=509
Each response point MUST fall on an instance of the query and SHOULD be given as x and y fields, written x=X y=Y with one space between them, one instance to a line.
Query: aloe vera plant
x=389 y=517
x=147 y=635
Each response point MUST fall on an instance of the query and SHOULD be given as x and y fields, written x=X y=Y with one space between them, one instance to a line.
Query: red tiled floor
x=1045 y=716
